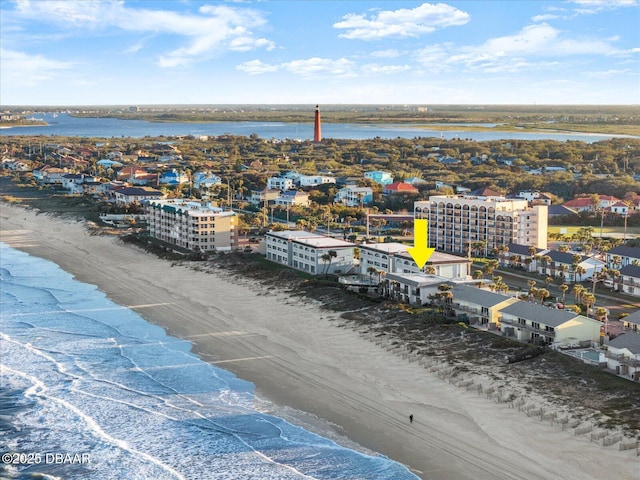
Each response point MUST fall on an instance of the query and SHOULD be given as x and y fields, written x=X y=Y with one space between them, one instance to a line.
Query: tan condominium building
x=196 y=226
x=458 y=223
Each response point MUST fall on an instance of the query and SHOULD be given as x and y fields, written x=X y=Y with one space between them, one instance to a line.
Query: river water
x=63 y=124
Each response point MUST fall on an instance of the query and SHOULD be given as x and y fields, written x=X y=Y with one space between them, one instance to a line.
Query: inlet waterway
x=63 y=124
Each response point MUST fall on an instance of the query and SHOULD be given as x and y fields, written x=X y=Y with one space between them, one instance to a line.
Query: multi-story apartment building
x=196 y=226
x=394 y=257
x=458 y=221
x=306 y=251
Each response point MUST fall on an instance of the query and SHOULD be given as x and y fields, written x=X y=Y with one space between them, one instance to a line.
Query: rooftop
x=478 y=296
x=540 y=313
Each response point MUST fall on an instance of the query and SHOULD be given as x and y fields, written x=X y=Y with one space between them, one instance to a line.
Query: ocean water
x=90 y=390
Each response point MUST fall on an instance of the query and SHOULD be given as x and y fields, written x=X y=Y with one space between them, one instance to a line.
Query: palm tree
x=327 y=258
x=600 y=313
x=563 y=269
x=531 y=284
x=578 y=290
x=548 y=281
x=563 y=288
x=502 y=253
x=546 y=260
x=580 y=270
x=588 y=299
x=541 y=294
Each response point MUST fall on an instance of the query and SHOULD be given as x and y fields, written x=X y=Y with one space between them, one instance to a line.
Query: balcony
x=632 y=362
x=528 y=327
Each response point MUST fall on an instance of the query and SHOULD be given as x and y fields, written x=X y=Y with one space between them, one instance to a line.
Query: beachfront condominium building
x=310 y=252
x=457 y=222
x=393 y=257
x=191 y=225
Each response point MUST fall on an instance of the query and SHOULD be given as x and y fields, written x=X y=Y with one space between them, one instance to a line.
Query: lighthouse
x=317 y=130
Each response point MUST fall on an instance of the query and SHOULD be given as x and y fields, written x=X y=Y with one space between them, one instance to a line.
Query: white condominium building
x=456 y=222
x=310 y=252
x=196 y=226
x=394 y=257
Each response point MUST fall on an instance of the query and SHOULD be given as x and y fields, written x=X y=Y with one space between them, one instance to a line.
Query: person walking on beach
x=411 y=418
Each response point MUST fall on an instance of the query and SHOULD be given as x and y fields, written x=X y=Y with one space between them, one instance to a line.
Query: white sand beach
x=299 y=357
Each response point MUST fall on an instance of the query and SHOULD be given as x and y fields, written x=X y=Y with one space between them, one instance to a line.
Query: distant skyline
x=319 y=52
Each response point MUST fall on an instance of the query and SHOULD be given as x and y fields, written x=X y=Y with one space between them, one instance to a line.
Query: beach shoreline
x=299 y=357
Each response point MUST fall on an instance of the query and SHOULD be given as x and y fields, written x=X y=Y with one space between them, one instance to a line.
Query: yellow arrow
x=420 y=252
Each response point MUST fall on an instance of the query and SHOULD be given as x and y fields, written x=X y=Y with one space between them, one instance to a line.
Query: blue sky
x=86 y=52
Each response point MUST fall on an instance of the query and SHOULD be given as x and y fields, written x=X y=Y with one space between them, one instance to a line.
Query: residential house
x=520 y=256
x=415 y=181
x=379 y=176
x=314 y=180
x=561 y=211
x=106 y=163
x=73 y=162
x=15 y=165
x=585 y=204
x=129 y=195
x=455 y=188
x=293 y=197
x=619 y=208
x=306 y=251
x=264 y=197
x=78 y=183
x=632 y=322
x=205 y=180
x=195 y=226
x=354 y=196
x=621 y=256
x=280 y=183
x=531 y=322
x=478 y=306
x=50 y=175
x=399 y=188
x=302 y=180
x=562 y=265
x=534 y=195
x=623 y=355
x=173 y=177
x=629 y=280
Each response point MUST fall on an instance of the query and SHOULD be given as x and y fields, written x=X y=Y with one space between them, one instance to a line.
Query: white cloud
x=596 y=6
x=404 y=22
x=320 y=66
x=544 y=17
x=514 y=52
x=213 y=30
x=376 y=69
x=256 y=67
x=24 y=70
x=389 y=53
x=608 y=73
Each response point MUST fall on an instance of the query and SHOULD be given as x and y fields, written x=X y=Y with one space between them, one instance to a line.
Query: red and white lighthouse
x=317 y=128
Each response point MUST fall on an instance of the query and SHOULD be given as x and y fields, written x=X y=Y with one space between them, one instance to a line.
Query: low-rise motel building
x=195 y=226
x=310 y=252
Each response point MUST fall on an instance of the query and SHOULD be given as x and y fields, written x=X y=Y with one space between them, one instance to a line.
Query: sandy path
x=298 y=356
